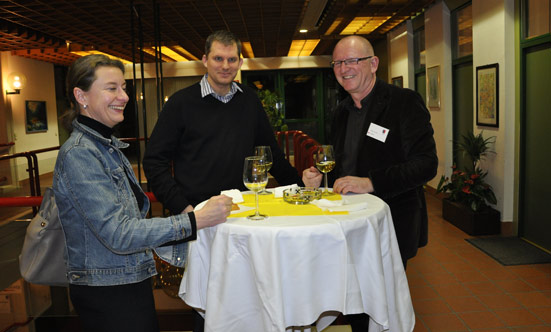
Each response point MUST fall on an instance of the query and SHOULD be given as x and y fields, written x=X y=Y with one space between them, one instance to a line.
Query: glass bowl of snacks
x=301 y=195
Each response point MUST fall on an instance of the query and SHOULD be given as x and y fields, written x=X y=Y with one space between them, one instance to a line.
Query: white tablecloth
x=286 y=272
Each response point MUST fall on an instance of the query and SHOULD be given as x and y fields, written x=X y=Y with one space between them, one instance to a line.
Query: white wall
x=493 y=42
x=40 y=86
x=438 y=53
x=399 y=61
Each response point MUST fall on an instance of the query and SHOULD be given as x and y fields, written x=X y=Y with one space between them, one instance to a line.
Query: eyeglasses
x=348 y=62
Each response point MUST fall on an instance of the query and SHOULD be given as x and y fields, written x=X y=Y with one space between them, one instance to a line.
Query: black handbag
x=42 y=259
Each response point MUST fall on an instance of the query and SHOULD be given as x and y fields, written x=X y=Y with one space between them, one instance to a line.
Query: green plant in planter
x=272 y=105
x=467 y=186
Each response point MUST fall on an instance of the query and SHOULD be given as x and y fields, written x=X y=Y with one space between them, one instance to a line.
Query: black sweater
x=207 y=142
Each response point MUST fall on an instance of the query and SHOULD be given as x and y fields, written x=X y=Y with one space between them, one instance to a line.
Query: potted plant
x=272 y=106
x=469 y=197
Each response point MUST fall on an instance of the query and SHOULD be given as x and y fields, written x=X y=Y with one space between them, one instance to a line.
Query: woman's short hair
x=82 y=74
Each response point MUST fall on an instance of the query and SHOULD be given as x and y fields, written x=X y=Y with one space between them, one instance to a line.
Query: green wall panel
x=536 y=179
x=462 y=106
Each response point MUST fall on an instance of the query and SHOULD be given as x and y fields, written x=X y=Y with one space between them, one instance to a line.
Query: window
x=305 y=94
x=537 y=17
x=462 y=32
x=300 y=95
x=419 y=49
x=264 y=80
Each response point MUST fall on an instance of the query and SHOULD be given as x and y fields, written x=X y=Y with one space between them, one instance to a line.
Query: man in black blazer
x=383 y=143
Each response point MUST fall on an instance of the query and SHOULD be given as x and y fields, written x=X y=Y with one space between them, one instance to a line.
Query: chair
x=283 y=140
x=307 y=149
x=297 y=152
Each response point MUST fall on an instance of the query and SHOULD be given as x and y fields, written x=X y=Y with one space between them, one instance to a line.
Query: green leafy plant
x=467 y=186
x=272 y=105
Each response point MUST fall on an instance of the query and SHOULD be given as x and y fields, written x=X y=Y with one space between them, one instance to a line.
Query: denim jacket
x=109 y=241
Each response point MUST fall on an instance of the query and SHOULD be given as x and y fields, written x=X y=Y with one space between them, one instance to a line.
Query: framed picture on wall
x=35 y=116
x=433 y=86
x=487 y=95
x=398 y=81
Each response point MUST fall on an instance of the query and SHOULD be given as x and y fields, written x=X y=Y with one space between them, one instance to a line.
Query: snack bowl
x=301 y=195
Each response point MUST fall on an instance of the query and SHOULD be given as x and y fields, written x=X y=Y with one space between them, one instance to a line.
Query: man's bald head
x=356 y=42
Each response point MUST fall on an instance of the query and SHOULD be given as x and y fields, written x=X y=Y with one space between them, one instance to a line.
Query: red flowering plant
x=467 y=186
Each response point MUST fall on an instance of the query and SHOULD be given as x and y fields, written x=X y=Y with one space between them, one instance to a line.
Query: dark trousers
x=129 y=308
x=198 y=322
x=360 y=322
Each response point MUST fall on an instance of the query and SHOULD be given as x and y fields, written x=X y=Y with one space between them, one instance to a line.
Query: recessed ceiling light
x=303 y=31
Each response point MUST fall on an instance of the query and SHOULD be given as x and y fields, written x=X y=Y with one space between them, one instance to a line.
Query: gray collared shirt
x=206 y=90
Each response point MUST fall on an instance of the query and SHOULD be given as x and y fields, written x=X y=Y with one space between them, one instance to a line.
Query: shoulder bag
x=42 y=259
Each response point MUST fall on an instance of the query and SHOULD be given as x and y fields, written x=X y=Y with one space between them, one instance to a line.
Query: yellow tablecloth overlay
x=276 y=207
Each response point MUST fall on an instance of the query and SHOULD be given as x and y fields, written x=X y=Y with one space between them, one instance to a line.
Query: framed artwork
x=487 y=98
x=35 y=116
x=398 y=81
x=433 y=86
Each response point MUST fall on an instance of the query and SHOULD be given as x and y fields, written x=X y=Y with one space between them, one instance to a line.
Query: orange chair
x=293 y=134
x=307 y=149
x=297 y=150
x=283 y=141
x=279 y=138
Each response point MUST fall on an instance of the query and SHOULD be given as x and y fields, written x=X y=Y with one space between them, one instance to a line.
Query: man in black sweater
x=204 y=133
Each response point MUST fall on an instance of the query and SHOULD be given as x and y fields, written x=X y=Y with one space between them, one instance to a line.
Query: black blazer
x=400 y=166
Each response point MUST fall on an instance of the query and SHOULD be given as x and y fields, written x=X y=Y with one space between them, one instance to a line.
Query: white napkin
x=342 y=205
x=278 y=191
x=235 y=195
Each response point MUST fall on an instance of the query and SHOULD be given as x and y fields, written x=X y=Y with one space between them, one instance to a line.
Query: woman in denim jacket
x=102 y=209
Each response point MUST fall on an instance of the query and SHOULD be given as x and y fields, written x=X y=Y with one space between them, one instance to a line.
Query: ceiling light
x=303 y=47
x=184 y=52
x=333 y=26
x=151 y=51
x=303 y=30
x=172 y=54
x=247 y=50
x=364 y=25
x=84 y=53
x=258 y=85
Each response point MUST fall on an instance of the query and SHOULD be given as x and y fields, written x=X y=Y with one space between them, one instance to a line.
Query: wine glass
x=265 y=153
x=255 y=179
x=325 y=162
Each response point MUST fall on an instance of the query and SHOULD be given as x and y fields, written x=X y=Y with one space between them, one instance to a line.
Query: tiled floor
x=456 y=287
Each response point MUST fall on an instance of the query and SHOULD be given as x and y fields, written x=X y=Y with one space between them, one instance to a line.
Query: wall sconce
x=16 y=81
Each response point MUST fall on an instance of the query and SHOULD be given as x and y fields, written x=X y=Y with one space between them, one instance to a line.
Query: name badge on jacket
x=377 y=132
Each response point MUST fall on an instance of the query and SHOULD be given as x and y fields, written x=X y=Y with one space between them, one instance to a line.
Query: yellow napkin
x=275 y=207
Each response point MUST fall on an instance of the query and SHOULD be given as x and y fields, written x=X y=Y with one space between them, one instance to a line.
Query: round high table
x=293 y=272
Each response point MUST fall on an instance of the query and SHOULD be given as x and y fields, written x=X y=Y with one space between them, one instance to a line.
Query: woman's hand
x=215 y=211
x=311 y=177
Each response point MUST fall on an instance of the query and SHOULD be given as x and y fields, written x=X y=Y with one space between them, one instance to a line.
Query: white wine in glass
x=265 y=152
x=255 y=179
x=325 y=162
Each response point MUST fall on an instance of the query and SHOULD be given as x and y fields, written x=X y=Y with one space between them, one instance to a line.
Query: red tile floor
x=456 y=287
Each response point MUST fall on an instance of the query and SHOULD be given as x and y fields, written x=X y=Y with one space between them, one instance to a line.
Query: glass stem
x=326 y=186
x=256 y=202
